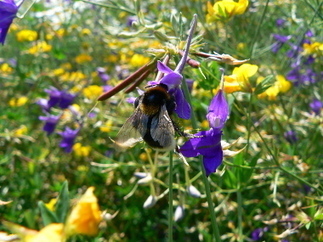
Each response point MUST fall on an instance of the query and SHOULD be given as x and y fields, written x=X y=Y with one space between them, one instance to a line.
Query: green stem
x=170 y=199
x=239 y=200
x=216 y=232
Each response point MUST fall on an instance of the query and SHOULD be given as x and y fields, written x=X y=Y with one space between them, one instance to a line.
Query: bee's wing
x=131 y=132
x=162 y=128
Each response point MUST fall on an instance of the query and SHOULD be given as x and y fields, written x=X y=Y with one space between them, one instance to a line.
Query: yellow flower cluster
x=81 y=151
x=84 y=219
x=18 y=102
x=225 y=9
x=83 y=58
x=313 y=48
x=5 y=68
x=26 y=35
x=239 y=80
x=106 y=127
x=92 y=91
x=40 y=47
x=281 y=85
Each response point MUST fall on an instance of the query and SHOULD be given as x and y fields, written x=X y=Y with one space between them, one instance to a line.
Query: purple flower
x=258 y=233
x=8 y=11
x=131 y=20
x=316 y=105
x=172 y=80
x=66 y=99
x=280 y=22
x=291 y=136
x=43 y=103
x=218 y=111
x=68 y=136
x=102 y=74
x=280 y=40
x=208 y=144
x=50 y=123
x=62 y=99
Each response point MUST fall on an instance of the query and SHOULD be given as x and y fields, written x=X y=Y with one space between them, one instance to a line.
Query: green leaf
x=62 y=205
x=47 y=215
x=230 y=179
x=209 y=75
x=264 y=84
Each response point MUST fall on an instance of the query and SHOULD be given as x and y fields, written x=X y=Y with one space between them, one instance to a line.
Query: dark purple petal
x=291 y=136
x=211 y=163
x=66 y=99
x=218 y=111
x=163 y=68
x=68 y=136
x=316 y=105
x=172 y=80
x=182 y=109
x=54 y=96
x=50 y=123
x=281 y=38
x=280 y=22
x=8 y=11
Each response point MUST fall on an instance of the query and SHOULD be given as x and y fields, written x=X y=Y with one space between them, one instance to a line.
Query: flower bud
x=179 y=213
x=192 y=191
x=145 y=180
x=150 y=202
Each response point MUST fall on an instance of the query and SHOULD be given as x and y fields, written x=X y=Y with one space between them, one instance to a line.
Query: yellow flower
x=82 y=58
x=106 y=127
x=92 y=91
x=281 y=85
x=74 y=76
x=225 y=9
x=85 y=216
x=86 y=31
x=5 y=68
x=40 y=47
x=21 y=131
x=17 y=102
x=81 y=151
x=61 y=32
x=26 y=35
x=138 y=60
x=239 y=80
x=314 y=48
x=58 y=72
x=51 y=233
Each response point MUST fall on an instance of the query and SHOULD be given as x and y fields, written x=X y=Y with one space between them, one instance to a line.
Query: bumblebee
x=151 y=121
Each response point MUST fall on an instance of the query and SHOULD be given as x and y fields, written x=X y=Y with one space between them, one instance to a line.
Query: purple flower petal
x=218 y=111
x=182 y=109
x=172 y=80
x=50 y=123
x=163 y=68
x=211 y=163
x=8 y=11
x=68 y=136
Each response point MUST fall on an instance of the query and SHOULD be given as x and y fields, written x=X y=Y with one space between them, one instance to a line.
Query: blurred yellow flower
x=239 y=80
x=106 y=127
x=21 y=130
x=5 y=68
x=82 y=58
x=81 y=151
x=313 y=48
x=26 y=35
x=61 y=32
x=74 y=76
x=86 y=31
x=225 y=9
x=17 y=102
x=281 y=85
x=40 y=47
x=92 y=91
x=138 y=60
x=58 y=72
x=51 y=233
x=85 y=216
